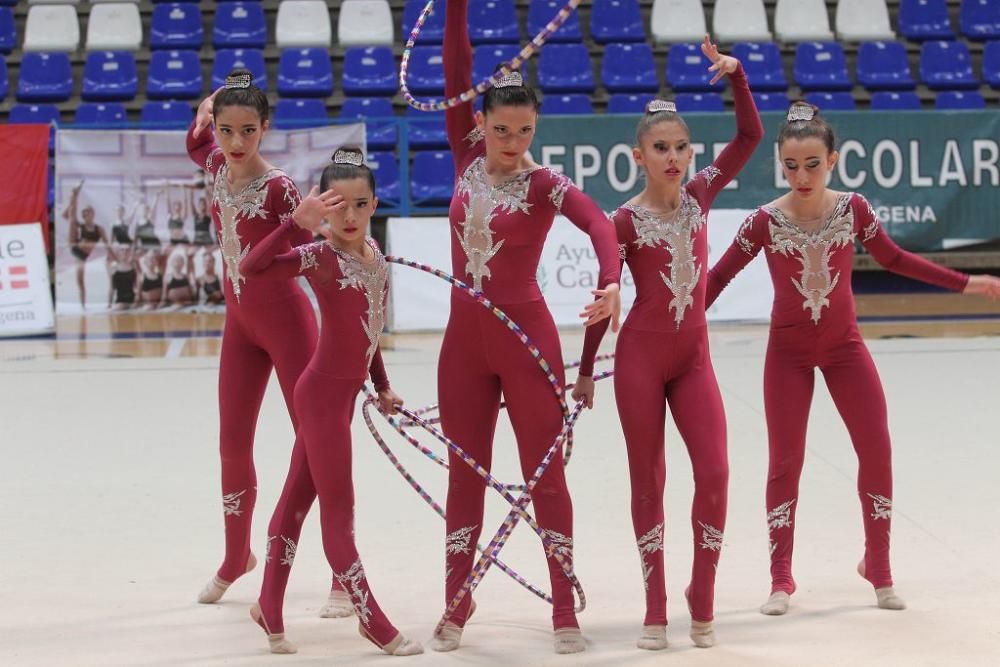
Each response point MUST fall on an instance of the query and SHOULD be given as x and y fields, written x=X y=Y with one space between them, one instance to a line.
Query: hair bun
x=660 y=106
x=801 y=111
x=351 y=156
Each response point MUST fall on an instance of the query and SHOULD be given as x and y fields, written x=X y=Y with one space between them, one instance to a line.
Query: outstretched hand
x=607 y=304
x=988 y=286
x=721 y=65
x=313 y=210
x=204 y=116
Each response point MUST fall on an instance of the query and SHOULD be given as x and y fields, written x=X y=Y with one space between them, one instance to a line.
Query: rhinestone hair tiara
x=238 y=81
x=348 y=157
x=800 y=112
x=659 y=106
x=512 y=80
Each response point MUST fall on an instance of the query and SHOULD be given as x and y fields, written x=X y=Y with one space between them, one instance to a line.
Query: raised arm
x=264 y=260
x=749 y=131
x=201 y=146
x=748 y=242
x=895 y=259
x=457 y=60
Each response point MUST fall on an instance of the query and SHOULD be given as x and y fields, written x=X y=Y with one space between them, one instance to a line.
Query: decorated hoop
x=530 y=49
x=410 y=418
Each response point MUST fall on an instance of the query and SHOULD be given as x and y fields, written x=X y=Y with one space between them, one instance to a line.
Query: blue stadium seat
x=426 y=74
x=991 y=64
x=946 y=66
x=821 y=66
x=387 y=186
x=380 y=135
x=370 y=70
x=687 y=69
x=8 y=30
x=955 y=99
x=493 y=22
x=567 y=105
x=631 y=103
x=305 y=73
x=45 y=77
x=616 y=21
x=290 y=113
x=52 y=185
x=540 y=12
x=166 y=116
x=771 y=101
x=43 y=114
x=694 y=102
x=176 y=26
x=924 y=19
x=487 y=57
x=427 y=129
x=833 y=101
x=174 y=75
x=565 y=68
x=763 y=65
x=980 y=19
x=109 y=76
x=239 y=25
x=905 y=100
x=432 y=178
x=101 y=115
x=4 y=83
x=629 y=68
x=226 y=60
x=432 y=31
x=884 y=66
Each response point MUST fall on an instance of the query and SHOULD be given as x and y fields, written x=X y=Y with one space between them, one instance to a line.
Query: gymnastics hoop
x=490 y=553
x=530 y=49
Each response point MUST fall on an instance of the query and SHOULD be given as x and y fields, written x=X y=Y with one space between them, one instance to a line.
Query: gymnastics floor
x=112 y=521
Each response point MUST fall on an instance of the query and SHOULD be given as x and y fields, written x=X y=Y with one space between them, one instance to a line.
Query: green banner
x=932 y=177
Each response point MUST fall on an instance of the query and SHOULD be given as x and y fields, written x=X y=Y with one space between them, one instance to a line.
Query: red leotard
x=498 y=234
x=813 y=325
x=662 y=355
x=268 y=324
x=352 y=297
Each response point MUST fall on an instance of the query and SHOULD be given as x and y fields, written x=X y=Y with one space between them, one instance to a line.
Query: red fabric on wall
x=24 y=173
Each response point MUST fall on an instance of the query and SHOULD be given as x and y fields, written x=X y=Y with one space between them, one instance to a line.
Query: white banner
x=140 y=236
x=566 y=273
x=25 y=297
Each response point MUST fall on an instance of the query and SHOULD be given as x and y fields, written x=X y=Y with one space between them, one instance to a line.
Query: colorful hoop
x=410 y=418
x=530 y=49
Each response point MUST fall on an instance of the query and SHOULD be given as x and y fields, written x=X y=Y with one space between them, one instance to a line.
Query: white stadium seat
x=863 y=21
x=114 y=26
x=303 y=23
x=365 y=23
x=52 y=28
x=675 y=21
x=802 y=21
x=740 y=21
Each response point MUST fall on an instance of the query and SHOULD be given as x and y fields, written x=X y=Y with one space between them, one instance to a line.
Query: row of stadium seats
x=562 y=68
x=116 y=25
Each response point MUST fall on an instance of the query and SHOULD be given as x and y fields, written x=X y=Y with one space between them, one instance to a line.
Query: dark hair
x=815 y=127
x=510 y=96
x=341 y=169
x=655 y=117
x=251 y=96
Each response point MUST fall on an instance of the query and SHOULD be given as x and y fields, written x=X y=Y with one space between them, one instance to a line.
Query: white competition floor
x=111 y=523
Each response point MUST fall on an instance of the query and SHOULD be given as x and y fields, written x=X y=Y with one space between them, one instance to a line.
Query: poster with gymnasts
x=133 y=227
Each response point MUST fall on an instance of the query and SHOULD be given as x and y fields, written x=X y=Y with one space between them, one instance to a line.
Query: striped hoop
x=421 y=418
x=530 y=49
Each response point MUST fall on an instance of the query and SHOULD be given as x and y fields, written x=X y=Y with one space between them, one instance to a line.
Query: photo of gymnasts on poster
x=133 y=216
